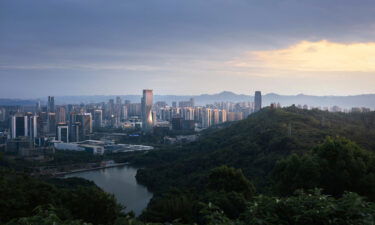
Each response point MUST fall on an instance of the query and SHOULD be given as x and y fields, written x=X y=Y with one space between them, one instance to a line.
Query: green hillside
x=254 y=145
x=284 y=166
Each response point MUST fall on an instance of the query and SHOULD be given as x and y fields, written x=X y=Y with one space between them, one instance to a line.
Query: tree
x=310 y=208
x=229 y=179
x=336 y=166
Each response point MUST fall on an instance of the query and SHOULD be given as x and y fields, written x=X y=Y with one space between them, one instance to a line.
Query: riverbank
x=58 y=174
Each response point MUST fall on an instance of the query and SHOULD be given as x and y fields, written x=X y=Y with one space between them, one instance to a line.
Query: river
x=121 y=182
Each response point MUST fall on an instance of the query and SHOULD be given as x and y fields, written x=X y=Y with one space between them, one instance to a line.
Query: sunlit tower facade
x=146 y=111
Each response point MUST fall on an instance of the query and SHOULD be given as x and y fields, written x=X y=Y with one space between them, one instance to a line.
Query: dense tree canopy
x=254 y=145
x=285 y=153
x=336 y=166
x=21 y=194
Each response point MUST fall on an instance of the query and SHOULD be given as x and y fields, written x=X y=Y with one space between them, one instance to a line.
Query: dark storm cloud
x=62 y=37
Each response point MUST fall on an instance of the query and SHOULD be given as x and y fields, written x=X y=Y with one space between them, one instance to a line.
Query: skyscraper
x=206 y=117
x=258 y=101
x=63 y=132
x=51 y=104
x=51 y=121
x=2 y=114
x=98 y=118
x=147 y=118
x=19 y=126
x=118 y=100
x=38 y=107
x=85 y=120
x=61 y=114
x=33 y=126
x=74 y=132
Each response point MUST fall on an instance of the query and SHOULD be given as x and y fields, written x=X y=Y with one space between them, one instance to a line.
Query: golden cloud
x=314 y=56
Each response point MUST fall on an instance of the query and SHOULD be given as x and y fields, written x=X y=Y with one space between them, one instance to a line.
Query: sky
x=186 y=47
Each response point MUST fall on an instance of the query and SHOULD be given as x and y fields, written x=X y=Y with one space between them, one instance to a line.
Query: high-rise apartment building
x=124 y=112
x=215 y=117
x=206 y=117
x=257 y=101
x=147 y=118
x=223 y=116
x=61 y=114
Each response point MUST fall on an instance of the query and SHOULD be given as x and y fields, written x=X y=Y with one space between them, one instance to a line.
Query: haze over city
x=192 y=47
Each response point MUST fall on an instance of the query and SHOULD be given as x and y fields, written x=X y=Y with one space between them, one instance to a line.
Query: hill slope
x=254 y=145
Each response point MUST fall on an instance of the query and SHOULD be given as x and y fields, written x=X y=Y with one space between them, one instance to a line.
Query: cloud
x=320 y=56
x=88 y=67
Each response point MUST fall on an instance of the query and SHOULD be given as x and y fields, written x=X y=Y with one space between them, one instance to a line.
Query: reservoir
x=121 y=182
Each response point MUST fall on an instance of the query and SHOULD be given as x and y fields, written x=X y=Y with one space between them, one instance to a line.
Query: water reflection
x=121 y=182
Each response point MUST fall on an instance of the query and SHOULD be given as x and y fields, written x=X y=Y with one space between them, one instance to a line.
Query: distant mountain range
x=367 y=100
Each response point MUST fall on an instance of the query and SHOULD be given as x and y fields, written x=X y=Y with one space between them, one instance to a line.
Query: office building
x=33 y=127
x=61 y=114
x=51 y=121
x=124 y=112
x=146 y=111
x=74 y=129
x=51 y=104
x=189 y=103
x=118 y=100
x=134 y=109
x=257 y=101
x=98 y=118
x=2 y=114
x=85 y=129
x=62 y=132
x=19 y=126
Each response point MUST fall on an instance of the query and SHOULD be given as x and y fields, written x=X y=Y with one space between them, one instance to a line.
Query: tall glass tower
x=258 y=101
x=51 y=104
x=146 y=113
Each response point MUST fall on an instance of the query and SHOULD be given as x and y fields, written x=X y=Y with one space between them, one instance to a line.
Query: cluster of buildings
x=47 y=124
x=185 y=115
x=336 y=109
x=39 y=127
x=42 y=125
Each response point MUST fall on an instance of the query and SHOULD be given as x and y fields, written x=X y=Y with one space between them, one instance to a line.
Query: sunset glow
x=314 y=56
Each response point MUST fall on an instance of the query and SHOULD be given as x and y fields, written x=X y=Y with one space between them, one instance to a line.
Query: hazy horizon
x=179 y=95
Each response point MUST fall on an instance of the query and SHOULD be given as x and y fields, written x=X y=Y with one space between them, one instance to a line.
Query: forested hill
x=254 y=145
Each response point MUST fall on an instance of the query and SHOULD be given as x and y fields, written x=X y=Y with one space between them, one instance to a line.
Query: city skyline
x=186 y=48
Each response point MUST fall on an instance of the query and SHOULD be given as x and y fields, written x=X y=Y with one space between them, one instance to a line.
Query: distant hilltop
x=366 y=100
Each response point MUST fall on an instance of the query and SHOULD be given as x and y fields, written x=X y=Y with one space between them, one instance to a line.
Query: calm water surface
x=121 y=182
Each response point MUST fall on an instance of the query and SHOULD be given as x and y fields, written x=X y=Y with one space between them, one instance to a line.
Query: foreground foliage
x=77 y=199
x=336 y=166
